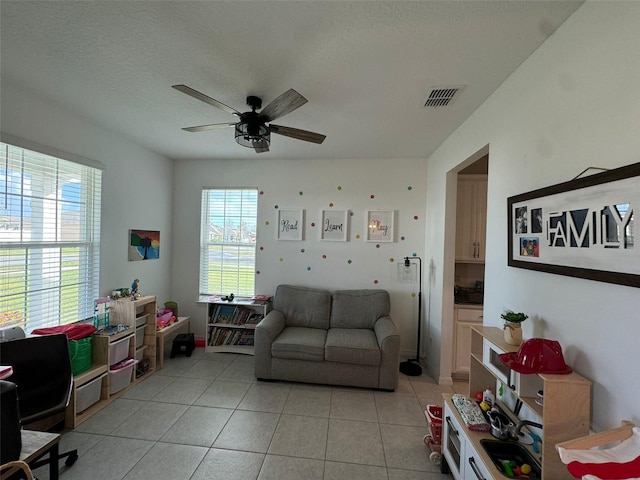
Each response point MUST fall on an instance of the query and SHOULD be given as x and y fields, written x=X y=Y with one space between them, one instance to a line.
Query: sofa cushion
x=352 y=345
x=358 y=308
x=300 y=343
x=303 y=306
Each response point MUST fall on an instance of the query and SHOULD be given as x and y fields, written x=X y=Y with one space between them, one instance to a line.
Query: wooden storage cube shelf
x=136 y=313
x=123 y=312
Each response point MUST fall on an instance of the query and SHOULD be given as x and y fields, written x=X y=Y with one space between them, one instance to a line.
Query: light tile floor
x=206 y=417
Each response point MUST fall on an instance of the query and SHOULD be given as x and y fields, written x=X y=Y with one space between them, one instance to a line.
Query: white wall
x=312 y=186
x=137 y=185
x=574 y=103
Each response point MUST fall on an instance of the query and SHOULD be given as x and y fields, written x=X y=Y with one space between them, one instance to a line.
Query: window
x=49 y=239
x=228 y=241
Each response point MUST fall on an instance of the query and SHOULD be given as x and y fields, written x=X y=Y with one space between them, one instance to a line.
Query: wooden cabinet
x=140 y=316
x=231 y=325
x=471 y=218
x=566 y=412
x=98 y=386
x=464 y=318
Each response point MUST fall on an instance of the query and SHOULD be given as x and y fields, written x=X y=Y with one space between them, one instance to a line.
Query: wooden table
x=160 y=334
x=35 y=445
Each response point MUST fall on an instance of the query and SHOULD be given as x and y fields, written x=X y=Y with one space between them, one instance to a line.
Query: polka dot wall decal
x=372 y=196
x=351 y=214
x=301 y=193
x=257 y=272
x=261 y=192
x=377 y=245
x=276 y=207
x=413 y=294
x=331 y=204
x=261 y=248
x=266 y=222
x=358 y=236
x=391 y=260
x=281 y=259
x=349 y=261
x=339 y=187
x=375 y=282
x=308 y=269
x=324 y=257
x=302 y=250
x=313 y=224
x=402 y=238
x=415 y=217
x=409 y=187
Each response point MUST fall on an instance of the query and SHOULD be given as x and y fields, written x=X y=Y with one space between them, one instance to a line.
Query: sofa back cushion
x=303 y=306
x=358 y=308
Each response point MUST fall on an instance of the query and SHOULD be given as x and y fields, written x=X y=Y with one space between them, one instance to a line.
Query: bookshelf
x=231 y=325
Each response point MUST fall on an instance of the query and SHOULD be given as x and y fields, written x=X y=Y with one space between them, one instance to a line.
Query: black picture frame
x=580 y=228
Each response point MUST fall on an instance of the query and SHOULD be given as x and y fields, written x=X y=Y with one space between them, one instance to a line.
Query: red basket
x=434 y=417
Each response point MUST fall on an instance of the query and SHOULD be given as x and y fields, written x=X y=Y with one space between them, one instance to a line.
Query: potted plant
x=513 y=327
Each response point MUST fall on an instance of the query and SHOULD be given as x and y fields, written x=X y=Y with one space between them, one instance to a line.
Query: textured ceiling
x=364 y=66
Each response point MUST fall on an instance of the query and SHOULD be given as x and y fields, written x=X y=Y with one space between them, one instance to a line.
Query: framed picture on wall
x=380 y=226
x=334 y=225
x=290 y=224
x=144 y=245
x=580 y=228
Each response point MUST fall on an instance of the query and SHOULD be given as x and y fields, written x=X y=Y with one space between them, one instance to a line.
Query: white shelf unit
x=231 y=325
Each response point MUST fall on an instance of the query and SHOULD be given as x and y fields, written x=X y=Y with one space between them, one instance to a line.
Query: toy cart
x=433 y=439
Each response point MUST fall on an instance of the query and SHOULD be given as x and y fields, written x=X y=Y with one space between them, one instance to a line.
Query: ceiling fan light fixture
x=252 y=135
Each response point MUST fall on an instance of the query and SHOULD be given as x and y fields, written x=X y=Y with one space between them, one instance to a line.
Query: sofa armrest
x=388 y=338
x=266 y=332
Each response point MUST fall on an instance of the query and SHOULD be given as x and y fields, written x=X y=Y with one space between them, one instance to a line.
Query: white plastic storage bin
x=89 y=393
x=140 y=335
x=141 y=320
x=121 y=378
x=119 y=350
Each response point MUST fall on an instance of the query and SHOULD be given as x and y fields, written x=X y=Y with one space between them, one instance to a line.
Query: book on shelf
x=223 y=314
x=221 y=336
x=254 y=318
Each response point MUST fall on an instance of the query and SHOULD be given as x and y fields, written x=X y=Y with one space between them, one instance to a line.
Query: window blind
x=228 y=241
x=49 y=239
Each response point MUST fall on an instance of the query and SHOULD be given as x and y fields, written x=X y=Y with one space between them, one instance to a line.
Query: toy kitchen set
x=522 y=402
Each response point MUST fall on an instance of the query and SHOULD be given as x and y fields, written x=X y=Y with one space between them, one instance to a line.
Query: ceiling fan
x=252 y=130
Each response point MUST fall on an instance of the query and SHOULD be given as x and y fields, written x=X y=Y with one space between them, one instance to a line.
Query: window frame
x=237 y=209
x=58 y=252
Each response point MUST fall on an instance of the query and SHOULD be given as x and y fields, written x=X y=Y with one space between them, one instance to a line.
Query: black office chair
x=42 y=373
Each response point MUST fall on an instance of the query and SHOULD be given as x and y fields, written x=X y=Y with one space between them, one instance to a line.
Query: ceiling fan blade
x=213 y=126
x=204 y=98
x=285 y=103
x=260 y=148
x=297 y=133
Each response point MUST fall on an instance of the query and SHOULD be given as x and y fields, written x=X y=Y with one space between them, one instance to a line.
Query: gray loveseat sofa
x=341 y=337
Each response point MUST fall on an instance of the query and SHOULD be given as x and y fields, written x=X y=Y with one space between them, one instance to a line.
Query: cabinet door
x=464 y=319
x=453 y=443
x=462 y=347
x=481 y=217
x=471 y=218
x=465 y=224
x=474 y=468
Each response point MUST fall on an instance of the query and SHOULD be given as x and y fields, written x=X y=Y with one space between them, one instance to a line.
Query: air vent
x=442 y=96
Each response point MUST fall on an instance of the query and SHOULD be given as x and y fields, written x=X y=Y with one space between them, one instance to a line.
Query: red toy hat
x=537 y=355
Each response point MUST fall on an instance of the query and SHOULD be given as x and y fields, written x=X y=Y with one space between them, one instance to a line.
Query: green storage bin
x=80 y=355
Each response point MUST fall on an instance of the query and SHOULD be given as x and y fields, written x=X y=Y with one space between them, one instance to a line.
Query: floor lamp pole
x=412 y=366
